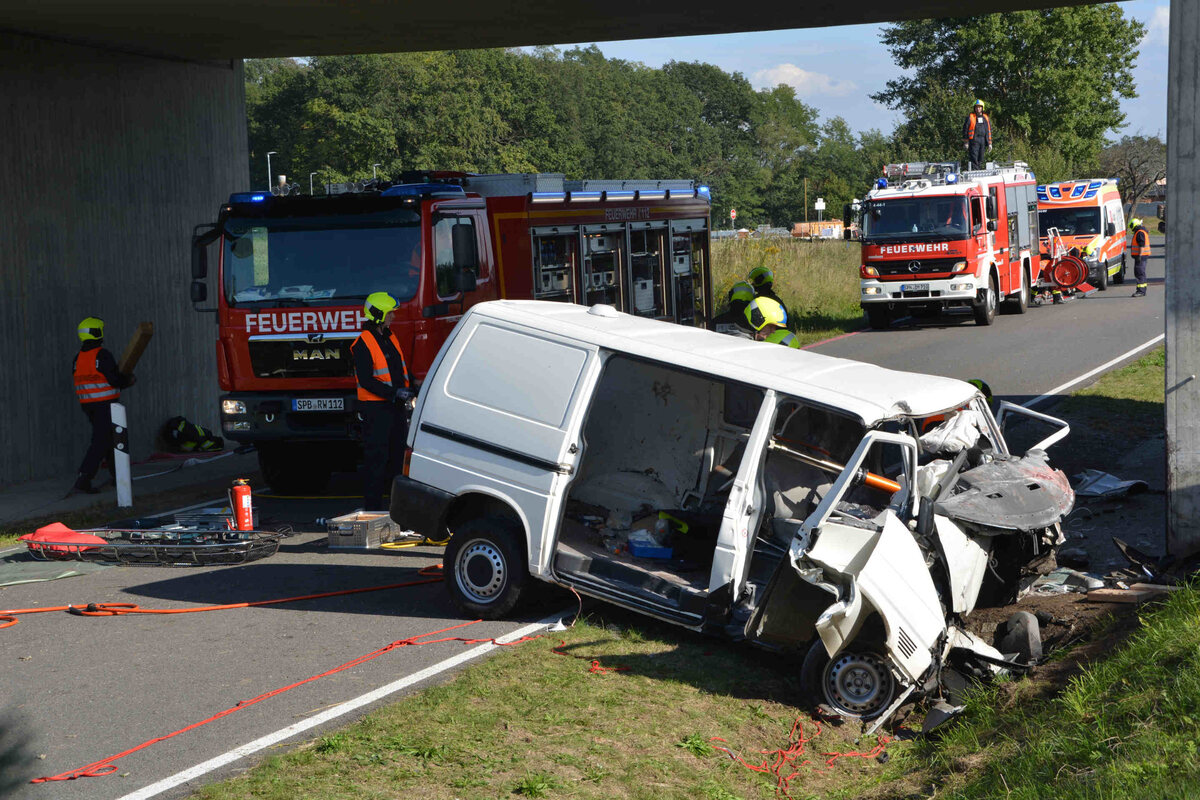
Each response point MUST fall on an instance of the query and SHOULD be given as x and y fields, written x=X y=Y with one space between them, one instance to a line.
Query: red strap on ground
x=784 y=762
x=8 y=617
x=595 y=668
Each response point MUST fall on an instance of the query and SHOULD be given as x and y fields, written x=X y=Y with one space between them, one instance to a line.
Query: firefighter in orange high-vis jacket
x=977 y=136
x=98 y=385
x=384 y=390
x=1140 y=251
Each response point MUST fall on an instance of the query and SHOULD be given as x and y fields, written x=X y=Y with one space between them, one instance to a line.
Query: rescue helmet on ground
x=741 y=291
x=378 y=305
x=764 y=311
x=979 y=103
x=91 y=329
x=760 y=277
x=981 y=385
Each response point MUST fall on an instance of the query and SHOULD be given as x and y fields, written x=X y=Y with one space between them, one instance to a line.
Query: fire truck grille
x=923 y=266
x=301 y=359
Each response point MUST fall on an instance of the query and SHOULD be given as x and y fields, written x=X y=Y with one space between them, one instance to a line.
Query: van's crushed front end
x=970 y=524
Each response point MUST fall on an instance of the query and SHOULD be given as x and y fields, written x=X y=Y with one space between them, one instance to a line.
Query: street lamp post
x=310 y=177
x=273 y=152
x=373 y=166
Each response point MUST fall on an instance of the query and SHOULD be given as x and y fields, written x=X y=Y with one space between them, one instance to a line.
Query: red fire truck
x=936 y=239
x=293 y=272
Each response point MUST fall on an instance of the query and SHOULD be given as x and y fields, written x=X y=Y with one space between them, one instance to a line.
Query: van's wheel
x=1102 y=278
x=985 y=309
x=485 y=567
x=293 y=469
x=857 y=683
x=1019 y=303
x=1120 y=276
x=878 y=317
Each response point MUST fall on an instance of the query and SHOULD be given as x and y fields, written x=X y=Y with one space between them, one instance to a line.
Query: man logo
x=317 y=354
x=914 y=266
x=316 y=338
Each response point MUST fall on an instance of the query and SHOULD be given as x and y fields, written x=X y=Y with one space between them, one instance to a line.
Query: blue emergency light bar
x=418 y=189
x=247 y=197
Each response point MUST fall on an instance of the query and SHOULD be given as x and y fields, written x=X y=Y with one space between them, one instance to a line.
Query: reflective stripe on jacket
x=1141 y=243
x=783 y=337
x=90 y=384
x=379 y=364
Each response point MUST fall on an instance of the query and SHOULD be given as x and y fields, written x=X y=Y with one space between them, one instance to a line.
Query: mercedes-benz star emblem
x=914 y=266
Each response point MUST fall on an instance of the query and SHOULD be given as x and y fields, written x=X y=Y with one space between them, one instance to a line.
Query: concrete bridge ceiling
x=225 y=29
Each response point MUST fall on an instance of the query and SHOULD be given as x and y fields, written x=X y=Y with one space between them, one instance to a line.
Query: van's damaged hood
x=1012 y=494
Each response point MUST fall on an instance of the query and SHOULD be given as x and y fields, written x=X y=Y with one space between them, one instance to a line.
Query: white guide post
x=120 y=456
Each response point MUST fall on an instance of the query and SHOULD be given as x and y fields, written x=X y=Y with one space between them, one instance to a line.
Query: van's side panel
x=495 y=415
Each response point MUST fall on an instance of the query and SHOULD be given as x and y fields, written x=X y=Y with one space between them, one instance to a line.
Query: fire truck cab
x=293 y=272
x=935 y=239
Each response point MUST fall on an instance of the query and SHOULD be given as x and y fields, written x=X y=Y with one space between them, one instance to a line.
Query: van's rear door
x=498 y=416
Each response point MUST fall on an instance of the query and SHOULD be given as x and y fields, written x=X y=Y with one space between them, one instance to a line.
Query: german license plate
x=914 y=287
x=318 y=404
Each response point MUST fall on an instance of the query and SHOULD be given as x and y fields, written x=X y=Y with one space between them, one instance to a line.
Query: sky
x=836 y=69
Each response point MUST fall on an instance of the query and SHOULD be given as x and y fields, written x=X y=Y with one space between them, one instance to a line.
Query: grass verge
x=817 y=281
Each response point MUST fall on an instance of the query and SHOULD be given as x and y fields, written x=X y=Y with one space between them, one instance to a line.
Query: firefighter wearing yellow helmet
x=763 y=281
x=384 y=390
x=769 y=321
x=98 y=384
x=977 y=136
x=733 y=320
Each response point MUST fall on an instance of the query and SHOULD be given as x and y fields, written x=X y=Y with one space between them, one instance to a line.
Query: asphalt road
x=78 y=689
x=1020 y=356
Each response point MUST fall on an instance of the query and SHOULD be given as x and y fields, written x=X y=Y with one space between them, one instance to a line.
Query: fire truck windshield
x=1069 y=221
x=915 y=218
x=325 y=260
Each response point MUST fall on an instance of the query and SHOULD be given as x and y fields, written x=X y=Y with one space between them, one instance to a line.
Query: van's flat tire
x=857 y=684
x=485 y=568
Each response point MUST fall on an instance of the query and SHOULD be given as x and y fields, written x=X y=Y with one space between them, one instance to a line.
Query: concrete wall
x=107 y=161
x=1182 y=283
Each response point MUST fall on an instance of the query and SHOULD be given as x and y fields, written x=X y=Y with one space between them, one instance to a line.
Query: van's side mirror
x=991 y=225
x=1110 y=229
x=463 y=241
x=199 y=291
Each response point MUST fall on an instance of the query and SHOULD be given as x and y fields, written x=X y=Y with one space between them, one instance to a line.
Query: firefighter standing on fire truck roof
x=1140 y=252
x=383 y=395
x=977 y=135
x=98 y=385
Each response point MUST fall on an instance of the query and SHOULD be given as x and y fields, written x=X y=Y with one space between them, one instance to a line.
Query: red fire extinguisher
x=243 y=508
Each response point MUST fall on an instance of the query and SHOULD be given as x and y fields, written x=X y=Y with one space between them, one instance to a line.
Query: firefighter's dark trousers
x=101 y=445
x=385 y=430
x=976 y=152
x=1139 y=272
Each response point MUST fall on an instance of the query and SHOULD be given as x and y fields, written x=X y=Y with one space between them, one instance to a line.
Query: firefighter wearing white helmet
x=98 y=384
x=769 y=321
x=384 y=389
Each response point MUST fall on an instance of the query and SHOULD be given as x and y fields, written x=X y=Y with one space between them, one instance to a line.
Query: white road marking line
x=1106 y=365
x=264 y=742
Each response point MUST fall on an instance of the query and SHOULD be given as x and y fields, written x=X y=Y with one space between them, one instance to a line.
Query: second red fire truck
x=935 y=239
x=293 y=272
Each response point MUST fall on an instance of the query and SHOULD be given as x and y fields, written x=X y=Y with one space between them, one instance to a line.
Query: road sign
x=733 y=213
x=820 y=204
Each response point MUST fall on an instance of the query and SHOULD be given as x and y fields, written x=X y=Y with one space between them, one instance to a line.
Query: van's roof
x=872 y=393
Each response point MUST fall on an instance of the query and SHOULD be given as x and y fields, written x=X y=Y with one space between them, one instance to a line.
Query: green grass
x=817 y=281
x=1128 y=400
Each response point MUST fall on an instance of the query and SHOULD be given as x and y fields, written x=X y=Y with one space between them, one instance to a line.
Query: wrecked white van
x=802 y=502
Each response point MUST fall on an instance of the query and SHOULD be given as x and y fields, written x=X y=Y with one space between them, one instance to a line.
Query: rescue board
x=137 y=345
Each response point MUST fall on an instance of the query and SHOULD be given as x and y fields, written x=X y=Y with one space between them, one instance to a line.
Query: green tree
x=1138 y=163
x=1052 y=79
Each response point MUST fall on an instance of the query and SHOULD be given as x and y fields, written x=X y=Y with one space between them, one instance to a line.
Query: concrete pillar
x=1183 y=281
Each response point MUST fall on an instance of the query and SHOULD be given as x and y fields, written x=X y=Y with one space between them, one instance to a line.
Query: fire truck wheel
x=1018 y=303
x=1120 y=276
x=878 y=317
x=985 y=310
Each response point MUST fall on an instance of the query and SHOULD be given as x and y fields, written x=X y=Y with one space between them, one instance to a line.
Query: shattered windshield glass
x=321 y=260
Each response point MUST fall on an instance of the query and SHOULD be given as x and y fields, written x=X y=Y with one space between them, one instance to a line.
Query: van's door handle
x=573 y=449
